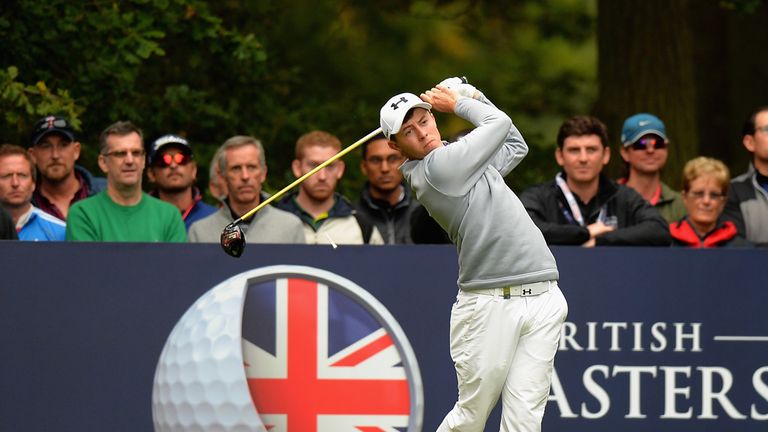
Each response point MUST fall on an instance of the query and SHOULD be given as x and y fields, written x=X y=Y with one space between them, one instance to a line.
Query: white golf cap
x=393 y=112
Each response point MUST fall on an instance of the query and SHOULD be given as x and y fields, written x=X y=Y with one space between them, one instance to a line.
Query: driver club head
x=233 y=240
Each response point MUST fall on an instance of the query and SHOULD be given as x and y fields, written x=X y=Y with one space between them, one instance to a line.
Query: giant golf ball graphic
x=287 y=348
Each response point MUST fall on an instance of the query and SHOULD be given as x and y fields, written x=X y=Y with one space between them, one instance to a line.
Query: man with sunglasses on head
x=644 y=150
x=173 y=171
x=384 y=200
x=61 y=182
x=124 y=212
x=582 y=206
x=747 y=204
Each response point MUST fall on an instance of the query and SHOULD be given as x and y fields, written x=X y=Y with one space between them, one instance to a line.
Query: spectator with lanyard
x=582 y=206
x=173 y=170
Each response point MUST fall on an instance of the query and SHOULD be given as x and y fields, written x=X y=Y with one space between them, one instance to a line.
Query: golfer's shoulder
x=483 y=112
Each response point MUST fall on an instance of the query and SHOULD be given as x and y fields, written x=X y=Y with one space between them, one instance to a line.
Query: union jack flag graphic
x=318 y=359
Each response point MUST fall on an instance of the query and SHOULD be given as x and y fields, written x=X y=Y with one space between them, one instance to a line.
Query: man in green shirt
x=123 y=212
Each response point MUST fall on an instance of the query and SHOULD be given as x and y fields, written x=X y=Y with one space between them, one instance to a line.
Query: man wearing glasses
x=747 y=203
x=61 y=182
x=644 y=150
x=173 y=171
x=582 y=206
x=384 y=200
x=123 y=212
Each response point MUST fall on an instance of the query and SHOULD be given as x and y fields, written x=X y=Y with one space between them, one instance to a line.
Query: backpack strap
x=365 y=226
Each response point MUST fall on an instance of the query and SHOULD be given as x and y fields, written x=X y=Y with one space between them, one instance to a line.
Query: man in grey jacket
x=747 y=204
x=243 y=167
x=506 y=321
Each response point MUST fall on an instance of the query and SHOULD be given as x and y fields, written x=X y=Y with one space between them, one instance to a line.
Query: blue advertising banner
x=656 y=338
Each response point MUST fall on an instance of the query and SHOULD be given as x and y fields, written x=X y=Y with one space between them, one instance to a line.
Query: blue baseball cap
x=639 y=125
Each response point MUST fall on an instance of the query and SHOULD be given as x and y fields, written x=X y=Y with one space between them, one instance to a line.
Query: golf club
x=233 y=237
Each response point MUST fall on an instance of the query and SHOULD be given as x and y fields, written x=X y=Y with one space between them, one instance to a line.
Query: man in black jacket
x=747 y=205
x=584 y=207
x=385 y=200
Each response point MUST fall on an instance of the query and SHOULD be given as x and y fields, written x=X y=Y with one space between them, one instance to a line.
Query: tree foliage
x=210 y=70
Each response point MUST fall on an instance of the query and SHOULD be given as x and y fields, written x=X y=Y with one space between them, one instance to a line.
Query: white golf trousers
x=504 y=347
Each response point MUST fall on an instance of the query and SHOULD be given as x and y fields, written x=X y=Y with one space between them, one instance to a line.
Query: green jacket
x=670 y=204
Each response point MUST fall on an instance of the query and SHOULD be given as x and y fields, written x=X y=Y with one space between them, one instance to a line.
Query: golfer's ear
x=393 y=145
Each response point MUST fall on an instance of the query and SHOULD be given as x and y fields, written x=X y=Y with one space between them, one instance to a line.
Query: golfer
x=506 y=321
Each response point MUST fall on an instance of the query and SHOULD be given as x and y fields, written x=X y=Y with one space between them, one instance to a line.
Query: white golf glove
x=460 y=86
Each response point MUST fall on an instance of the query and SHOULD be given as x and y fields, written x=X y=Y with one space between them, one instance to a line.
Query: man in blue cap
x=644 y=150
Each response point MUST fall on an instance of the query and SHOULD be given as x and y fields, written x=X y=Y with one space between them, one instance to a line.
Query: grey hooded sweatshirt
x=462 y=186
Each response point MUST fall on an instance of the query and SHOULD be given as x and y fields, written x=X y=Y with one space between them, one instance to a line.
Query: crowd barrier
x=656 y=338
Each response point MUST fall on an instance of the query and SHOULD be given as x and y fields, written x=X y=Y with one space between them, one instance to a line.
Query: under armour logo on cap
x=402 y=99
x=392 y=116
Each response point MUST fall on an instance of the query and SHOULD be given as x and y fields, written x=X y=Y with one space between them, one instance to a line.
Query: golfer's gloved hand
x=460 y=86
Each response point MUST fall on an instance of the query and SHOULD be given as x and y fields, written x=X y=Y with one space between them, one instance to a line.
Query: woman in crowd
x=705 y=188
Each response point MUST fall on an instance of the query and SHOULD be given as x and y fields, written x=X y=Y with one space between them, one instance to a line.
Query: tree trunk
x=697 y=66
x=645 y=65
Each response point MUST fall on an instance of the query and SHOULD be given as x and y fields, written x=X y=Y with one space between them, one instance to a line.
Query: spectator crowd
x=45 y=195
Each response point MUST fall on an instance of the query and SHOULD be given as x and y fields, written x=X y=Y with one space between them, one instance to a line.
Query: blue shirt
x=199 y=210
x=43 y=227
